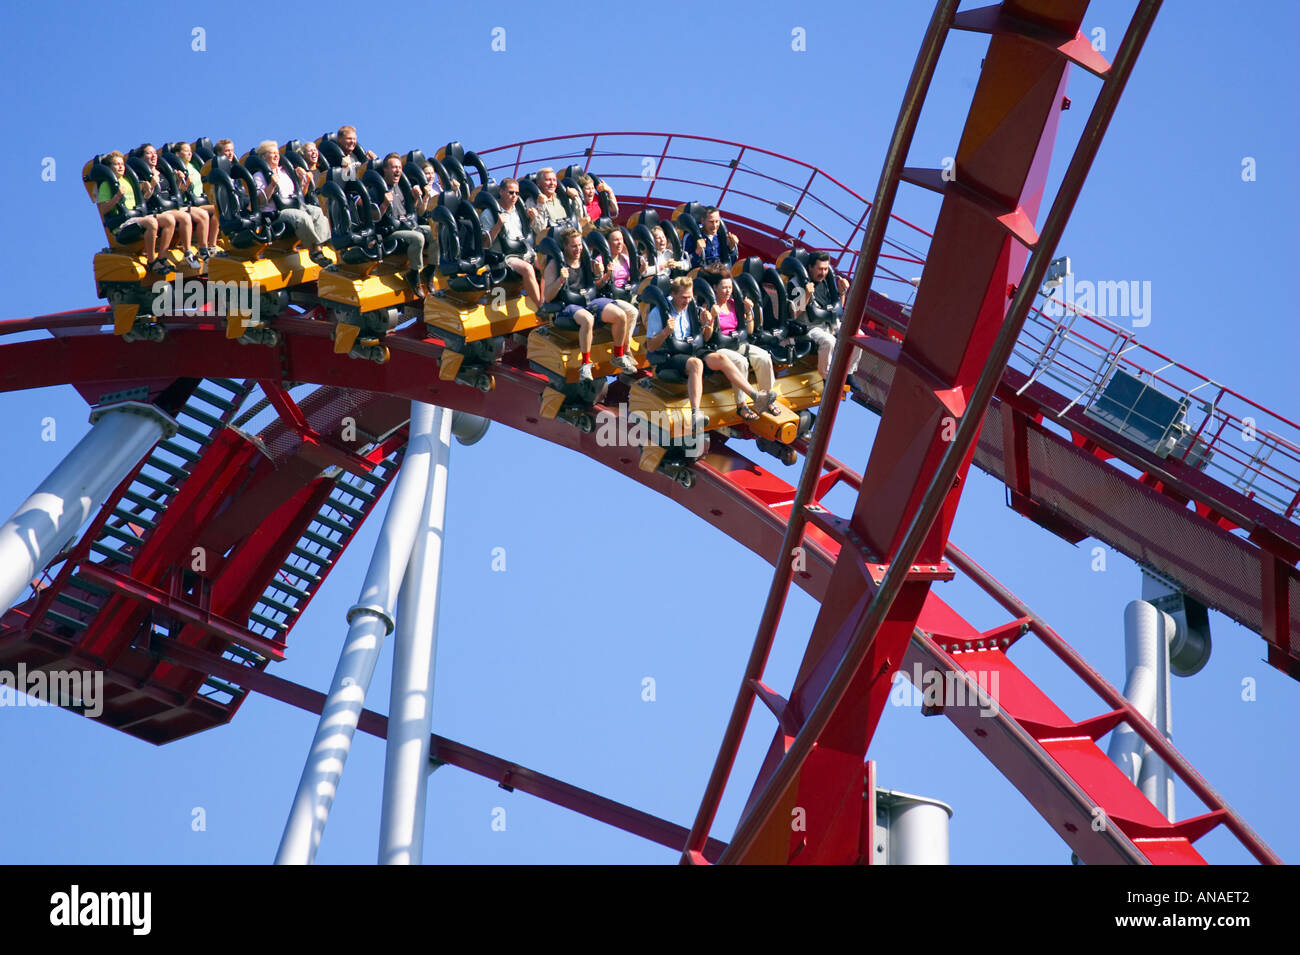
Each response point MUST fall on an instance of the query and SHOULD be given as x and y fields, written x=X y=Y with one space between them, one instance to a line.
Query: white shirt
x=283 y=185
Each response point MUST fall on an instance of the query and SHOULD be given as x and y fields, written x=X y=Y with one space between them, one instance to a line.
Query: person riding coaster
x=573 y=352
x=816 y=294
x=273 y=236
x=134 y=237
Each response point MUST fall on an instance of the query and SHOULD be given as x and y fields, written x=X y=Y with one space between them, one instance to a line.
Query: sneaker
x=205 y=253
x=213 y=251
x=192 y=262
x=627 y=363
x=584 y=373
x=319 y=257
x=161 y=266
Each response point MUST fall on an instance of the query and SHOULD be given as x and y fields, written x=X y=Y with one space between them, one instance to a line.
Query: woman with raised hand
x=725 y=321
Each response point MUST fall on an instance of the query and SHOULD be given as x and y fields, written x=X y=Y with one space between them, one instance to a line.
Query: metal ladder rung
x=246 y=654
x=174 y=448
x=72 y=622
x=86 y=585
x=323 y=542
x=123 y=535
x=332 y=525
x=76 y=602
x=280 y=585
x=111 y=552
x=211 y=421
x=134 y=518
x=347 y=509
x=267 y=622
x=198 y=437
x=214 y=400
x=162 y=487
x=150 y=502
x=157 y=462
x=320 y=560
x=224 y=687
x=277 y=606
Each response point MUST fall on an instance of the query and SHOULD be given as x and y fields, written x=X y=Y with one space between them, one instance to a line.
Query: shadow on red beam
x=509 y=776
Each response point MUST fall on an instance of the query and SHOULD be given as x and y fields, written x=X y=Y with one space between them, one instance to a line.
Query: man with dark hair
x=824 y=290
x=506 y=234
x=708 y=252
x=402 y=222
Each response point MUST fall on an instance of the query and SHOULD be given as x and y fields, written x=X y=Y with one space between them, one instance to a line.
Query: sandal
x=746 y=412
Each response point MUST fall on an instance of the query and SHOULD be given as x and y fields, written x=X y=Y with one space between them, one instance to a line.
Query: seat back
x=231 y=188
x=203 y=150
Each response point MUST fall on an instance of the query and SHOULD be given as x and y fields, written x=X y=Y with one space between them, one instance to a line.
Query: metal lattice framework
x=181 y=651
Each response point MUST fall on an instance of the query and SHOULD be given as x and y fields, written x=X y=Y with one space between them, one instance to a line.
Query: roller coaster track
x=181 y=648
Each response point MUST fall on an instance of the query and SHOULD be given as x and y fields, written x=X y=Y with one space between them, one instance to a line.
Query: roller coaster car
x=478 y=307
x=260 y=249
x=554 y=351
x=121 y=271
x=366 y=288
x=661 y=403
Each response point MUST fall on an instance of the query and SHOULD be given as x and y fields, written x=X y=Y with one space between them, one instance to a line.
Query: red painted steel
x=1052 y=760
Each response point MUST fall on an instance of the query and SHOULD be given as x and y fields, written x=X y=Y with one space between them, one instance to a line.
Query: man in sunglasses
x=507 y=234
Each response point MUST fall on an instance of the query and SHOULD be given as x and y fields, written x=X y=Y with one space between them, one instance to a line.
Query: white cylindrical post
x=410 y=707
x=1148 y=632
x=916 y=828
x=370 y=620
x=120 y=436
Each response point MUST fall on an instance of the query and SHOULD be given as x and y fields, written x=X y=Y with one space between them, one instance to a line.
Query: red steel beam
x=872 y=241
x=866 y=664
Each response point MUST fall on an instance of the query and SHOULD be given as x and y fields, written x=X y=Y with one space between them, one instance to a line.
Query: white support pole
x=410 y=707
x=120 y=436
x=1148 y=632
x=370 y=620
x=910 y=830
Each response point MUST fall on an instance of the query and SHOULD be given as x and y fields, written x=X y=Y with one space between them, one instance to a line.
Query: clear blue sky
x=530 y=667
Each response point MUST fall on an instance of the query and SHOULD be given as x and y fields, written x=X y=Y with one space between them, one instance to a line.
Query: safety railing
x=795 y=202
x=1096 y=363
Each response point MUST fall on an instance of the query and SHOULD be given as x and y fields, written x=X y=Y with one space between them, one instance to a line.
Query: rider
x=575 y=273
x=507 y=232
x=406 y=229
x=825 y=291
x=119 y=211
x=308 y=224
x=708 y=251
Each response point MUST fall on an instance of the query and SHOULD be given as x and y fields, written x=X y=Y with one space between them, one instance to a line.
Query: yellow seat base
x=557 y=352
